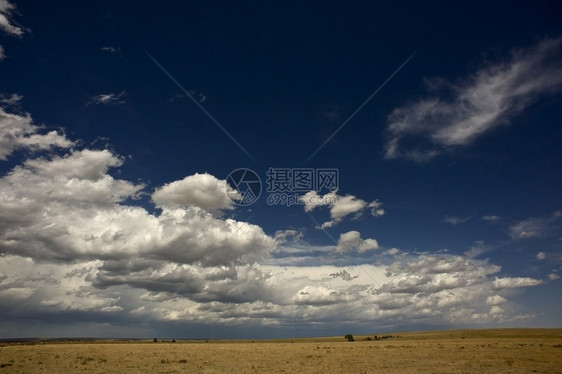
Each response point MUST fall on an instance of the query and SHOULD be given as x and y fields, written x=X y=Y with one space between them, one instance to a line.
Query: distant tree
x=155 y=340
x=349 y=338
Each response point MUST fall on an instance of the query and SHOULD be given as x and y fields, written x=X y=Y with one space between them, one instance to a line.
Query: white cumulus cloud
x=515 y=282
x=495 y=300
x=200 y=190
x=19 y=132
x=68 y=207
x=541 y=256
x=283 y=236
x=340 y=206
x=352 y=241
x=84 y=164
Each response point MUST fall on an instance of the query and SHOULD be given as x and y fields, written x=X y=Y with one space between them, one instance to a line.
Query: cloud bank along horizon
x=74 y=241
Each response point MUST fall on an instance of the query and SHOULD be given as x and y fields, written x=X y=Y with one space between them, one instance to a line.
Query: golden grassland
x=459 y=351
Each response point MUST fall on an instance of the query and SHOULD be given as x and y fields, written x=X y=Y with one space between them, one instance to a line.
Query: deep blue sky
x=281 y=78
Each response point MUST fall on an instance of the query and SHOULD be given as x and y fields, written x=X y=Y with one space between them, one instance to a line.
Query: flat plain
x=459 y=351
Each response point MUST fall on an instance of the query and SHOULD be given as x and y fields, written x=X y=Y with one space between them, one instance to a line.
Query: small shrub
x=182 y=361
x=349 y=338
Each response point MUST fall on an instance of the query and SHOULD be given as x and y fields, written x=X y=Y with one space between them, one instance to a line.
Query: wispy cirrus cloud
x=11 y=100
x=7 y=10
x=110 y=49
x=200 y=96
x=491 y=218
x=485 y=100
x=109 y=99
x=456 y=220
x=533 y=227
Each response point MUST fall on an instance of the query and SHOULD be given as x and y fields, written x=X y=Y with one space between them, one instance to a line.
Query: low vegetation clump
x=383 y=337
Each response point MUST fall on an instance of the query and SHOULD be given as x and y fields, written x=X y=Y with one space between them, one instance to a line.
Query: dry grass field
x=461 y=351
